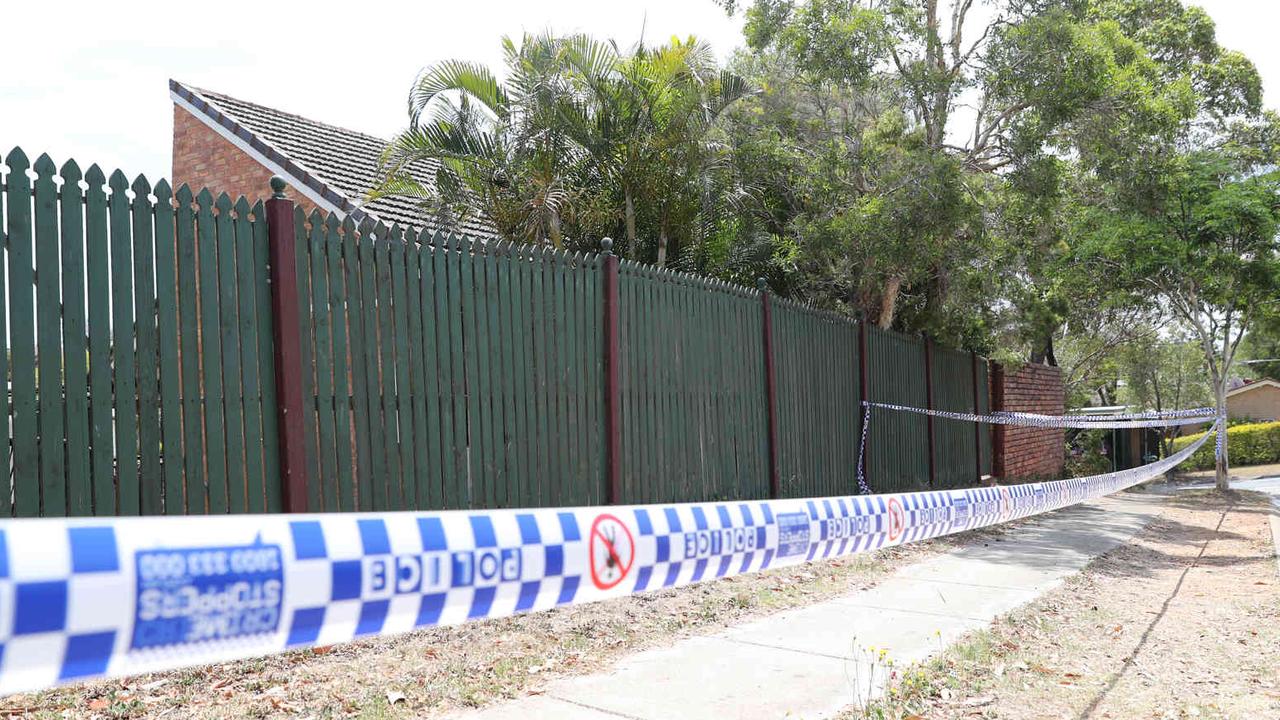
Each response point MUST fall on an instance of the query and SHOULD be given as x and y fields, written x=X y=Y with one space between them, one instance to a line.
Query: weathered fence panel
x=692 y=382
x=436 y=371
x=819 y=402
x=898 y=443
x=137 y=384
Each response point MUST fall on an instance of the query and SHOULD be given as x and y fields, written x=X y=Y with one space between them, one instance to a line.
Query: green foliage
x=581 y=140
x=1247 y=444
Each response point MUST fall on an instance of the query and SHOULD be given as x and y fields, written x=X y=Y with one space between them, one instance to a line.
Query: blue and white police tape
x=97 y=597
x=1053 y=421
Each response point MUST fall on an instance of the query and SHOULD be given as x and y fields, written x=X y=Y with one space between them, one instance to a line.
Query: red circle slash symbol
x=612 y=551
x=896 y=519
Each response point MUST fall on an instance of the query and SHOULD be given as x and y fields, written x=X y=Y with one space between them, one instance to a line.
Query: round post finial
x=762 y=284
x=606 y=246
x=278 y=185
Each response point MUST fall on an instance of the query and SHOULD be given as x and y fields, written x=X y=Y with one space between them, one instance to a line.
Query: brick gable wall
x=204 y=159
x=1022 y=453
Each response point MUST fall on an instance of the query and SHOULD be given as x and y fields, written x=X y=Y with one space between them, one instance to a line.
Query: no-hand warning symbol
x=896 y=519
x=612 y=551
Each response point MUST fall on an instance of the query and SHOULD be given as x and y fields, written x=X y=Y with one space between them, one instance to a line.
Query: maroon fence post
x=612 y=389
x=862 y=387
x=998 y=432
x=288 y=347
x=770 y=388
x=977 y=427
x=928 y=403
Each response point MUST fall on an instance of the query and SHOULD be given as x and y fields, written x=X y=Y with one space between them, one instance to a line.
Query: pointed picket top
x=242 y=208
x=332 y=223
x=94 y=177
x=141 y=187
x=299 y=218
x=17 y=161
x=118 y=182
x=259 y=209
x=162 y=191
x=205 y=199
x=44 y=167
x=396 y=234
x=71 y=174
x=349 y=227
x=423 y=237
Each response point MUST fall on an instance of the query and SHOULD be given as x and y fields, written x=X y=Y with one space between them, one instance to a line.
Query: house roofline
x=306 y=182
x=1265 y=382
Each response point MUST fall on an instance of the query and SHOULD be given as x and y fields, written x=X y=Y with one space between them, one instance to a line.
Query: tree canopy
x=1056 y=181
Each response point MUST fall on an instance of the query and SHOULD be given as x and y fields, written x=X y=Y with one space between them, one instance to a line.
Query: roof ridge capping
x=311 y=184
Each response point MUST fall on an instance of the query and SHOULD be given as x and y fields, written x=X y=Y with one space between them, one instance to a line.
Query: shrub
x=1247 y=444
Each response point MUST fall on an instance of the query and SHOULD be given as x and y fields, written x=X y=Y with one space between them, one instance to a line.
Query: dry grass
x=428 y=673
x=1182 y=622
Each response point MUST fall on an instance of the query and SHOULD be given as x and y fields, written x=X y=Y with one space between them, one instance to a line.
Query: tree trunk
x=629 y=205
x=1221 y=478
x=889 y=301
x=553 y=223
x=662 y=245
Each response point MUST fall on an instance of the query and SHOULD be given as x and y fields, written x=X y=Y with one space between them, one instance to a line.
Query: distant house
x=1255 y=400
x=233 y=146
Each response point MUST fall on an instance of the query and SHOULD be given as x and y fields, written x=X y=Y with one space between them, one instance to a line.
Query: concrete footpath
x=812 y=662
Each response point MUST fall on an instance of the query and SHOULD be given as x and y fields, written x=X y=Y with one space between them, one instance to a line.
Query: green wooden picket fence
x=436 y=371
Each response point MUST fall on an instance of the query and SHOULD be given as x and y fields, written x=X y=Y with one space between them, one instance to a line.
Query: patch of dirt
x=428 y=673
x=1182 y=622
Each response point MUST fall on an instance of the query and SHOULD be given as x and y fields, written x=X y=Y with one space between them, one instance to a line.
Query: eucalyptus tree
x=1022 y=96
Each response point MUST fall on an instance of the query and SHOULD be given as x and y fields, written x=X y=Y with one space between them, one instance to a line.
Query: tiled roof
x=339 y=164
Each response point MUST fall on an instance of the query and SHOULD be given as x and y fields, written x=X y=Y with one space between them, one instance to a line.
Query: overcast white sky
x=89 y=80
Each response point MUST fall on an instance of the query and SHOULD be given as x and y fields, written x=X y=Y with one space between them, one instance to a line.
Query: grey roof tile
x=336 y=159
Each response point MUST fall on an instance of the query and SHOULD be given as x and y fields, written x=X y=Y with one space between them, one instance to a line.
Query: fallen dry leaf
x=99 y=704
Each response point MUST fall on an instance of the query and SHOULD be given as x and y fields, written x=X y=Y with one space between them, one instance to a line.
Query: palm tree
x=575 y=118
x=646 y=118
x=498 y=145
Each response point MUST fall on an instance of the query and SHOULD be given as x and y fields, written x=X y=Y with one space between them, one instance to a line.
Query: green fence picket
x=246 y=299
x=52 y=497
x=229 y=329
x=147 y=360
x=166 y=283
x=322 y=319
x=75 y=350
x=193 y=454
x=97 y=253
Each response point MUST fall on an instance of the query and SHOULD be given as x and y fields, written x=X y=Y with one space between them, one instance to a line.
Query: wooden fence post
x=998 y=432
x=612 y=389
x=977 y=427
x=928 y=403
x=288 y=347
x=770 y=388
x=862 y=413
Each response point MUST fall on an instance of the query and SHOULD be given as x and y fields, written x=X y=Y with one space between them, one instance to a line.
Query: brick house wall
x=204 y=159
x=1261 y=403
x=1023 y=453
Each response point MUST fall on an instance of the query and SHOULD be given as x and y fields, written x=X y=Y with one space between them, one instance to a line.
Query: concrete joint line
x=1017 y=588
x=846 y=658
x=583 y=705
x=909 y=611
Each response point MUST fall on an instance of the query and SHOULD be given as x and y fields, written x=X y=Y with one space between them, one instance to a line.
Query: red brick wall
x=1028 y=453
x=203 y=158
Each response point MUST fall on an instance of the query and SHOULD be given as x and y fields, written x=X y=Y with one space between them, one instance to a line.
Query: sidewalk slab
x=811 y=662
